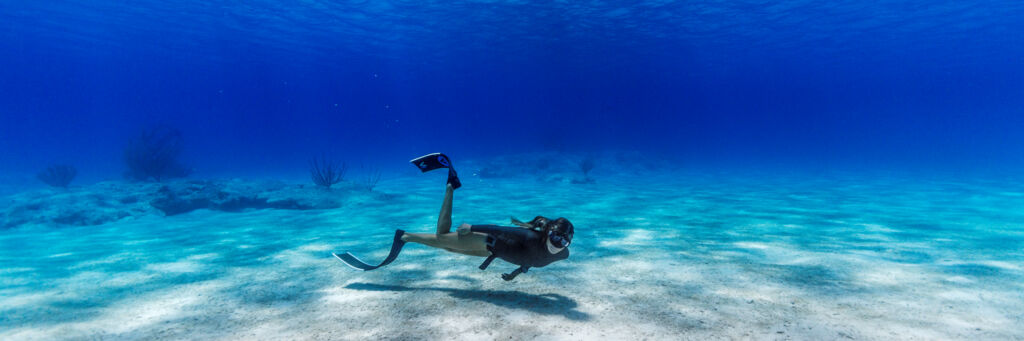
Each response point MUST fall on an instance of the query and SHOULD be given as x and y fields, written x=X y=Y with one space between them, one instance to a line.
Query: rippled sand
x=673 y=256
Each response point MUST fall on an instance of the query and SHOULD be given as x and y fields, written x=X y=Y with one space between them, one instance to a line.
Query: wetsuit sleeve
x=513 y=274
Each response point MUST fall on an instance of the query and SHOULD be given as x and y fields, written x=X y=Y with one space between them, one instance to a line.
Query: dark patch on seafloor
x=547 y=304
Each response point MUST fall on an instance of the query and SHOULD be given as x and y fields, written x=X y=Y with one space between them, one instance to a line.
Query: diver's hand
x=511 y=276
x=464 y=229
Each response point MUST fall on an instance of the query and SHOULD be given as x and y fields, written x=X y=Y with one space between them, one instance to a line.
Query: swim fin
x=434 y=161
x=355 y=263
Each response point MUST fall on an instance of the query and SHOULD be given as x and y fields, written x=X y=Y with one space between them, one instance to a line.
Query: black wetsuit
x=517 y=245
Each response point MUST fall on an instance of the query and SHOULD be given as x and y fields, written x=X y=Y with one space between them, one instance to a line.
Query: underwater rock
x=115 y=200
x=91 y=205
x=184 y=197
x=192 y=196
x=87 y=217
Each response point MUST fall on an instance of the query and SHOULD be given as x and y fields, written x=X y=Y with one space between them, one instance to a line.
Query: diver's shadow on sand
x=548 y=304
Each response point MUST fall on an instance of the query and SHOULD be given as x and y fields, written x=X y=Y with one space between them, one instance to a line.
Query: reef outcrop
x=114 y=200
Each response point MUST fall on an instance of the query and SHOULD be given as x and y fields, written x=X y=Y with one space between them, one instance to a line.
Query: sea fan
x=370 y=179
x=586 y=165
x=154 y=155
x=325 y=172
x=58 y=175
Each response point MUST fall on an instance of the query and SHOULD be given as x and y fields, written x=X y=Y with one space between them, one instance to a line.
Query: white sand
x=690 y=258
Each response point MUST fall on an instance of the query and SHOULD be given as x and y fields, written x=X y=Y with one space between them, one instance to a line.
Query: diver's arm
x=513 y=274
x=464 y=229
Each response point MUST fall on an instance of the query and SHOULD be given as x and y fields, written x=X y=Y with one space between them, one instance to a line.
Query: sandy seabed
x=668 y=257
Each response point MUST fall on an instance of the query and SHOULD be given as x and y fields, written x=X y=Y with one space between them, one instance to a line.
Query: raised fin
x=431 y=162
x=434 y=161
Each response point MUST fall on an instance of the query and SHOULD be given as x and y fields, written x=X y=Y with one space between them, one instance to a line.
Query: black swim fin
x=434 y=161
x=396 y=247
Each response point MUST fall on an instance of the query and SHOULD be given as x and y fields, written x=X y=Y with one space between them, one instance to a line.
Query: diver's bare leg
x=464 y=242
x=444 y=219
x=473 y=244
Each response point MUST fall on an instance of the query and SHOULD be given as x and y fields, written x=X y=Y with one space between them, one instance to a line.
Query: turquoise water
x=805 y=170
x=666 y=254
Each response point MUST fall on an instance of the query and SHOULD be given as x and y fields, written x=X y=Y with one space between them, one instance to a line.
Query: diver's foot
x=453 y=179
x=400 y=235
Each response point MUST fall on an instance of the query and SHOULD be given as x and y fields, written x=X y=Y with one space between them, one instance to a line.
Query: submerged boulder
x=80 y=206
x=184 y=197
x=115 y=200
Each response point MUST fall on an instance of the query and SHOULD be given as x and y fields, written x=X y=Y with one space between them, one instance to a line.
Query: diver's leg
x=444 y=219
x=474 y=244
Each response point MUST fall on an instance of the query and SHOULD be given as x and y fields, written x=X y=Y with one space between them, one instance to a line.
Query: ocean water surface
x=741 y=170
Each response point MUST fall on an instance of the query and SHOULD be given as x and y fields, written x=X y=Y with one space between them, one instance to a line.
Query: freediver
x=534 y=244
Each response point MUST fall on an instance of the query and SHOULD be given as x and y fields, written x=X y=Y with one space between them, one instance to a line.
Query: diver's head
x=559 y=234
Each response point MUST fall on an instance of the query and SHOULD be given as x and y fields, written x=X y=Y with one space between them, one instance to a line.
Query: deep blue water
x=257 y=87
x=836 y=169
